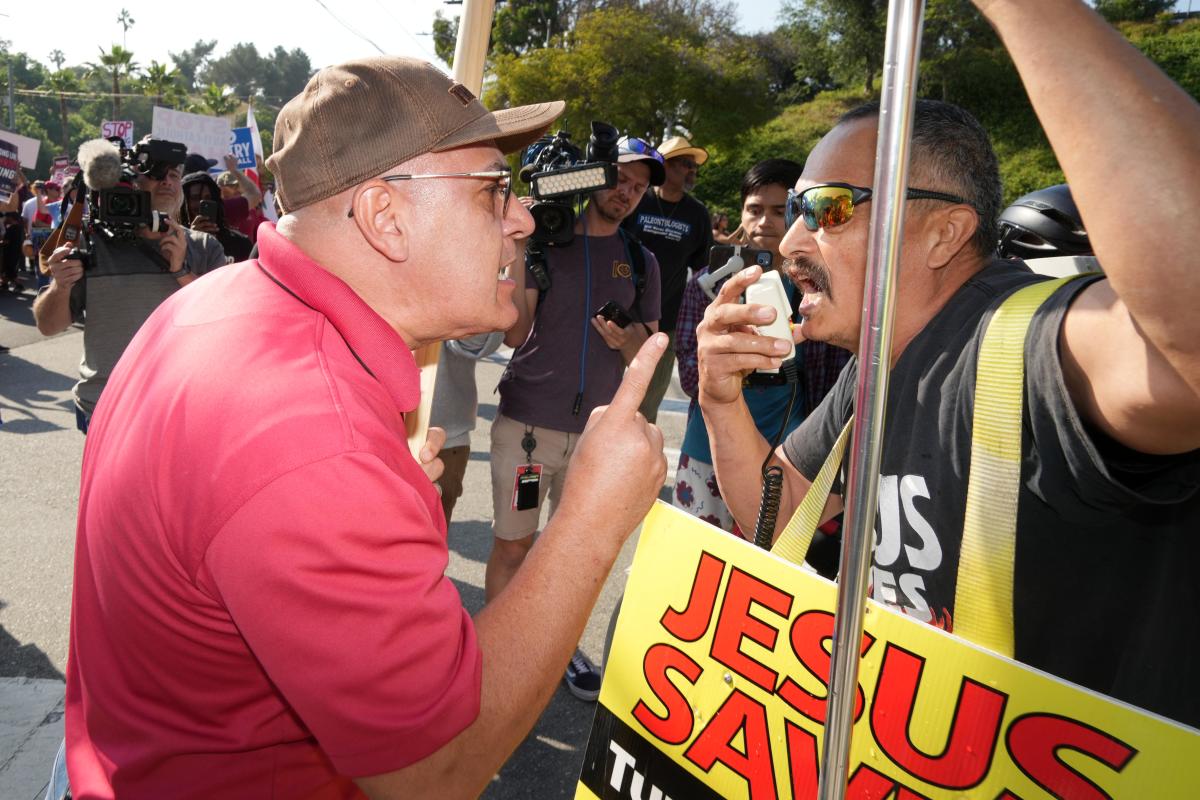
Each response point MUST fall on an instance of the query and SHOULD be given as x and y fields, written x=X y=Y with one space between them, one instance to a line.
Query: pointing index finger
x=633 y=386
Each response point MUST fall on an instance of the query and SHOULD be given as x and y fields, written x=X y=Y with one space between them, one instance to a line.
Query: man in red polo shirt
x=260 y=606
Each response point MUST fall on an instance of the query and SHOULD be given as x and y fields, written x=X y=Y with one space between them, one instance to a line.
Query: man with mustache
x=761 y=226
x=1108 y=505
x=568 y=360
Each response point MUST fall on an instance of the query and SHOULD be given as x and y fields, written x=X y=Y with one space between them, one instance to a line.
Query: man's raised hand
x=728 y=346
x=619 y=467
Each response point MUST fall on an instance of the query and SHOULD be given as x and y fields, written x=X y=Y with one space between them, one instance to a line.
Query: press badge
x=526 y=486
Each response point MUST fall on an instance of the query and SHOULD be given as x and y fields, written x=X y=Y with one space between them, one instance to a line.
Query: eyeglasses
x=502 y=177
x=828 y=205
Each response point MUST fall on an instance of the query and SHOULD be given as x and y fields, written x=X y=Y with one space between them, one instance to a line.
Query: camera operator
x=128 y=274
x=204 y=211
x=568 y=361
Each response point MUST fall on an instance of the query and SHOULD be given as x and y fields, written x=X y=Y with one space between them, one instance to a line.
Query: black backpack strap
x=637 y=261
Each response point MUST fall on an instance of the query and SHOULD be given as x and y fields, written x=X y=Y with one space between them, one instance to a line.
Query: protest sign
x=26 y=147
x=10 y=165
x=242 y=145
x=717 y=682
x=208 y=136
x=63 y=171
x=120 y=127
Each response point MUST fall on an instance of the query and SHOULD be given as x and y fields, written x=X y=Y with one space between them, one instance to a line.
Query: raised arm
x=522 y=663
x=1126 y=137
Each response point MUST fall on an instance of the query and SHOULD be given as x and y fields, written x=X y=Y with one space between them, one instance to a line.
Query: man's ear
x=381 y=217
x=950 y=230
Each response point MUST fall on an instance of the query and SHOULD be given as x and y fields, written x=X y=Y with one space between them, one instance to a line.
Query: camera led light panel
x=574 y=180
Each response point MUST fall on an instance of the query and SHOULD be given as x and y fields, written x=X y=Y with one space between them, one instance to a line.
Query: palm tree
x=162 y=83
x=115 y=61
x=62 y=82
x=58 y=58
x=216 y=101
x=126 y=23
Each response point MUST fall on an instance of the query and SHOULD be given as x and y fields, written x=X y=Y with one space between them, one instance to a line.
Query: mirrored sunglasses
x=828 y=205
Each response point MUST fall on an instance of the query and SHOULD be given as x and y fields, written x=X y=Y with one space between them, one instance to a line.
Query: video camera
x=105 y=188
x=120 y=209
x=559 y=176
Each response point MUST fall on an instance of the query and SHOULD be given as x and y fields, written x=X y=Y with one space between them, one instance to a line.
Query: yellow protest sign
x=716 y=685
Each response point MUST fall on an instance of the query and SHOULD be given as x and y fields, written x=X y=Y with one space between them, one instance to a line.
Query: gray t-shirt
x=564 y=356
x=1106 y=537
x=124 y=283
x=455 y=399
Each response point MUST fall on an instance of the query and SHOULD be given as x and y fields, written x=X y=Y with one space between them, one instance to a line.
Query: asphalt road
x=40 y=455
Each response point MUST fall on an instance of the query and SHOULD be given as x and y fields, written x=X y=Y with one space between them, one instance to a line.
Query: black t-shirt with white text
x=680 y=235
x=1107 y=538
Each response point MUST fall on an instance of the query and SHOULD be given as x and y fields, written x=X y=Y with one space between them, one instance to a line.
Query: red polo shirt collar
x=375 y=343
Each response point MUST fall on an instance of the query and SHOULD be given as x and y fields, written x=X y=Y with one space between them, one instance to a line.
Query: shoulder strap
x=983 y=595
x=793 y=543
x=637 y=262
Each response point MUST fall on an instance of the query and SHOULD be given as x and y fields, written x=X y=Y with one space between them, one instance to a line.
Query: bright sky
x=330 y=31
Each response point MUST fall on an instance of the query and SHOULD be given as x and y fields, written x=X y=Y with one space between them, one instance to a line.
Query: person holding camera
x=568 y=361
x=130 y=268
x=203 y=211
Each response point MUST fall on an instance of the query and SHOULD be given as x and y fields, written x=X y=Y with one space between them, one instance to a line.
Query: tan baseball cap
x=359 y=119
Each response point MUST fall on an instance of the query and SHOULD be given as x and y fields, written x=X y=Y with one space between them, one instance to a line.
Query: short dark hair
x=952 y=149
x=782 y=171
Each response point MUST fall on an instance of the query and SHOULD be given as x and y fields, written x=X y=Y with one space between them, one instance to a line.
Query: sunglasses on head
x=632 y=144
x=828 y=205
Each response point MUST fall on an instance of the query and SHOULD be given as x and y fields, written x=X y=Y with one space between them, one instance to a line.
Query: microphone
x=100 y=162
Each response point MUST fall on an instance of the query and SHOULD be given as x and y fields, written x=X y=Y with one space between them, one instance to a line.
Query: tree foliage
x=116 y=63
x=650 y=74
x=1133 y=10
x=846 y=37
x=192 y=61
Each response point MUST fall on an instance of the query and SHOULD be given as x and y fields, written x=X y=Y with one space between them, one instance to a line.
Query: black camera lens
x=554 y=220
x=121 y=204
x=553 y=223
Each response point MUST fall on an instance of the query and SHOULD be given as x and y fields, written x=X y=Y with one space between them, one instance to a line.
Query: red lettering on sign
x=974 y=729
x=802 y=761
x=739 y=713
x=691 y=623
x=1035 y=739
x=865 y=784
x=734 y=624
x=809 y=633
x=676 y=726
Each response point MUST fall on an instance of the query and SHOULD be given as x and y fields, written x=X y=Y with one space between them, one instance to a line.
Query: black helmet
x=1042 y=224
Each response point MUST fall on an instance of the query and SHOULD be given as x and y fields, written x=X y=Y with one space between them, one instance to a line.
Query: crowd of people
x=286 y=563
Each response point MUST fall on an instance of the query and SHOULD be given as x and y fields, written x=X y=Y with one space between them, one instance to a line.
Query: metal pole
x=901 y=55
x=470 y=50
x=470 y=53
